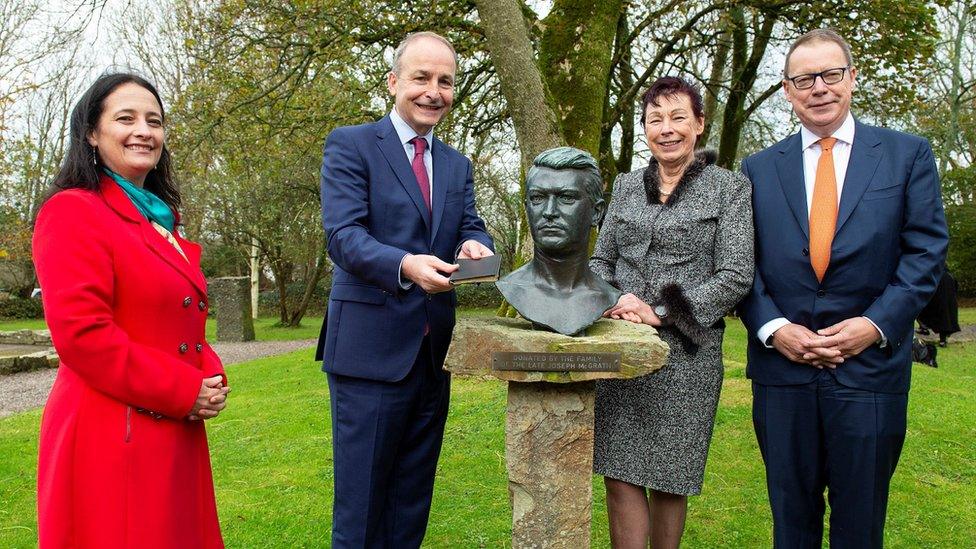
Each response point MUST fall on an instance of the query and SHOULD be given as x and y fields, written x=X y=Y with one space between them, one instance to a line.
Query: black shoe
x=922 y=330
x=931 y=358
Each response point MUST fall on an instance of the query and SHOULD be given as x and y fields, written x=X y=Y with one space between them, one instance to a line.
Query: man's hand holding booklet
x=477 y=270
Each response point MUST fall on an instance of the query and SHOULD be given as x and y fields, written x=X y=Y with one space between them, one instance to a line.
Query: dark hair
x=668 y=86
x=81 y=167
x=819 y=35
x=570 y=158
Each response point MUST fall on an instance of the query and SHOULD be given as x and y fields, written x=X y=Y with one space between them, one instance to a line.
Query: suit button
x=805 y=251
x=821 y=293
x=199 y=347
x=186 y=301
x=184 y=348
x=202 y=306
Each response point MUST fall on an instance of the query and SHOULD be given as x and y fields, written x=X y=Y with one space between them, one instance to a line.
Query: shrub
x=962 y=246
x=479 y=296
x=268 y=300
x=21 y=308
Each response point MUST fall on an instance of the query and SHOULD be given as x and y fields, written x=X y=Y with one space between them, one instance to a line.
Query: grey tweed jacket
x=701 y=240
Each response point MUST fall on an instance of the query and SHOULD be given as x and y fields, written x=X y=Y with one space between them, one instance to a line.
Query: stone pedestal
x=549 y=420
x=232 y=296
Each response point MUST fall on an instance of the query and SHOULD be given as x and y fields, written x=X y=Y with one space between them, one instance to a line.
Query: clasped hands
x=211 y=399
x=632 y=308
x=827 y=347
x=432 y=274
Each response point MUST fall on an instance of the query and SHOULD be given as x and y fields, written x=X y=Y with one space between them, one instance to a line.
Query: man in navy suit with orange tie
x=850 y=239
x=397 y=207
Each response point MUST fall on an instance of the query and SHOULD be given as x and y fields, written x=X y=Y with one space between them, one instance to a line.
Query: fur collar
x=703 y=158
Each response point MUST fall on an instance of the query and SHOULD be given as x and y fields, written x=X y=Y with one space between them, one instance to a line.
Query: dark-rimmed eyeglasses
x=829 y=76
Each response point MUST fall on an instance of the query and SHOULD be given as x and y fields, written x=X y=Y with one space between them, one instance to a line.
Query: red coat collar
x=118 y=201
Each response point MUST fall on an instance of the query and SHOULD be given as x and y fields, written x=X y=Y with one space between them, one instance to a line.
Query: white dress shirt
x=405 y=133
x=811 y=156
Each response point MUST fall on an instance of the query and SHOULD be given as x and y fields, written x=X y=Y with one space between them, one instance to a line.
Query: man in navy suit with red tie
x=397 y=207
x=850 y=240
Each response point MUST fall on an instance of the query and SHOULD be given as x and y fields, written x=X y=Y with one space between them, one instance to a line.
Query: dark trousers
x=823 y=435
x=386 y=438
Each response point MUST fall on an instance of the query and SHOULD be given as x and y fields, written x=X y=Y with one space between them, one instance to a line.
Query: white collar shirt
x=406 y=133
x=841 y=154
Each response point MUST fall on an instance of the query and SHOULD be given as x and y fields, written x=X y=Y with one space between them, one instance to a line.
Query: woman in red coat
x=123 y=450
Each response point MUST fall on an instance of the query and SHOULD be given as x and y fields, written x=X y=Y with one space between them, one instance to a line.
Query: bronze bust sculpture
x=557 y=290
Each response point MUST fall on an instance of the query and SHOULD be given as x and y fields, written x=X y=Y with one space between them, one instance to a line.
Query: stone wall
x=40 y=338
x=28 y=350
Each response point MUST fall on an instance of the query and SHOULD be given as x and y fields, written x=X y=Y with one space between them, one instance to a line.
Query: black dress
x=941 y=315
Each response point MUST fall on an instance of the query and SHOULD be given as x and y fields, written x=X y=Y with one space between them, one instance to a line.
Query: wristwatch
x=661 y=311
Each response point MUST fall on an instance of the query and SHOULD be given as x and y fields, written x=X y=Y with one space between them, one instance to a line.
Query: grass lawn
x=272 y=463
x=967 y=315
x=29 y=324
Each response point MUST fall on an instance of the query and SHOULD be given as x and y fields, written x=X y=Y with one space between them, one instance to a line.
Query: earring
x=94 y=155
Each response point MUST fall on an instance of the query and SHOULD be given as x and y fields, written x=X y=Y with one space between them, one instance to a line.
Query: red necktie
x=823 y=209
x=419 y=169
x=420 y=172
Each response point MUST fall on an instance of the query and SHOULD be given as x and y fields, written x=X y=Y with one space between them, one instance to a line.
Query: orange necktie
x=823 y=210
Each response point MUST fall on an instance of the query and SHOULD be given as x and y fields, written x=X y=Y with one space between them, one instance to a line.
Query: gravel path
x=966 y=333
x=28 y=390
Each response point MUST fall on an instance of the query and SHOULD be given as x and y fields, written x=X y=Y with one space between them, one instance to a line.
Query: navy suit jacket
x=885 y=262
x=374 y=214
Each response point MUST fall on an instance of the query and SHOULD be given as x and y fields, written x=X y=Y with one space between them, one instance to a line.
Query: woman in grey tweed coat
x=678 y=239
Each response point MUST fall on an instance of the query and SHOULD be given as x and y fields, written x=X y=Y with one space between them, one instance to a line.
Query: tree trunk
x=282 y=285
x=961 y=16
x=510 y=49
x=720 y=60
x=745 y=68
x=610 y=166
x=575 y=56
x=311 y=282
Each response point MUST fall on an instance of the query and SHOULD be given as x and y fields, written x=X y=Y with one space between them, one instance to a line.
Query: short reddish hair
x=668 y=86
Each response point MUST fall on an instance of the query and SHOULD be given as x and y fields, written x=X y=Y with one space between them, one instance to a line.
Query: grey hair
x=412 y=37
x=819 y=35
x=571 y=158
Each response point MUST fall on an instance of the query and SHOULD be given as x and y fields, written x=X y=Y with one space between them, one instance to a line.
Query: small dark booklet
x=477 y=270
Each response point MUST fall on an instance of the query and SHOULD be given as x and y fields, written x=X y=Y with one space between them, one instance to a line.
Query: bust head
x=556 y=290
x=563 y=200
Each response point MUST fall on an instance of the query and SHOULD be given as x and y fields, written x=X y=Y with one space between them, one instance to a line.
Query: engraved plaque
x=556 y=362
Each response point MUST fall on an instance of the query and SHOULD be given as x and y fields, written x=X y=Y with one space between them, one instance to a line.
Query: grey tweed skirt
x=654 y=430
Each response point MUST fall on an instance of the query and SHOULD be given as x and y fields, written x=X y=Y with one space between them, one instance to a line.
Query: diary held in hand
x=477 y=270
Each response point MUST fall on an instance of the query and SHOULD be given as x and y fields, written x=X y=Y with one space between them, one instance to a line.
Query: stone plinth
x=40 y=338
x=232 y=296
x=21 y=359
x=26 y=350
x=549 y=420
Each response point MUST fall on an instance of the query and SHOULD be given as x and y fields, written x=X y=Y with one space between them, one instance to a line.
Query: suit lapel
x=440 y=184
x=118 y=201
x=789 y=167
x=392 y=149
x=865 y=156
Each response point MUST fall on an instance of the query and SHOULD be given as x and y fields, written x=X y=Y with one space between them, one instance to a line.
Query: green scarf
x=149 y=205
